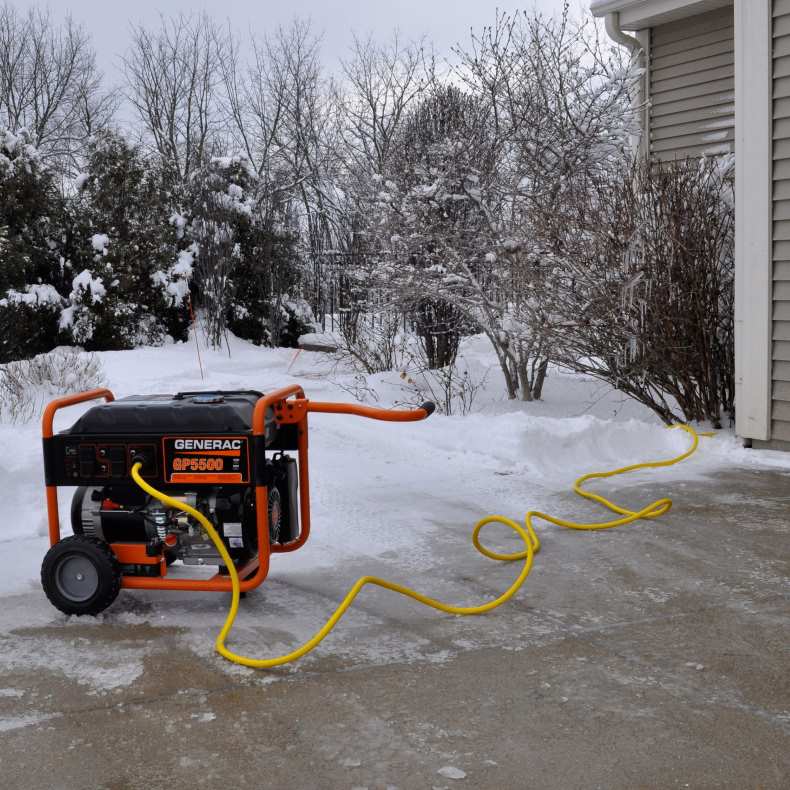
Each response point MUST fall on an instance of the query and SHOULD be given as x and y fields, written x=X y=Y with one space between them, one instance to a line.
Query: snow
x=100 y=242
x=85 y=281
x=321 y=340
x=39 y=294
x=350 y=762
x=378 y=491
x=66 y=318
x=451 y=772
x=178 y=221
x=175 y=282
x=185 y=262
x=8 y=723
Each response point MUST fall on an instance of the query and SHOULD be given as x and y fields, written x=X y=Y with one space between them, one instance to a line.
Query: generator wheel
x=80 y=575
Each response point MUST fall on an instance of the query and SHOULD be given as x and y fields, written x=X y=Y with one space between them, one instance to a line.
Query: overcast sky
x=444 y=22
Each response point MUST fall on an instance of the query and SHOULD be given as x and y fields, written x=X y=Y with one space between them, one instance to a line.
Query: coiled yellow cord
x=526 y=533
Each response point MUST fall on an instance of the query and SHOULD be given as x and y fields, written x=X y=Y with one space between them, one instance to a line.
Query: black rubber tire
x=91 y=553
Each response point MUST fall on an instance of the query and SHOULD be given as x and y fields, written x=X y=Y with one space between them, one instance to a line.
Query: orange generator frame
x=285 y=406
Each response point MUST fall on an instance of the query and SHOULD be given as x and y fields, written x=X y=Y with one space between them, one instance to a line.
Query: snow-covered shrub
x=645 y=299
x=26 y=385
x=294 y=318
x=278 y=321
x=30 y=211
x=222 y=206
x=440 y=324
x=28 y=321
x=96 y=319
x=31 y=267
x=130 y=273
x=451 y=265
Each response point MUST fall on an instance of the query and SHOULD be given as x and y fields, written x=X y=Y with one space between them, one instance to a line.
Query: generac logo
x=208 y=444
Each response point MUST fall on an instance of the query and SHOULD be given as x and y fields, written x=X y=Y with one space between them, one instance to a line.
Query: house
x=717 y=80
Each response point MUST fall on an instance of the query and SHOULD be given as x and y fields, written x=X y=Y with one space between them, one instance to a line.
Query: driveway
x=654 y=656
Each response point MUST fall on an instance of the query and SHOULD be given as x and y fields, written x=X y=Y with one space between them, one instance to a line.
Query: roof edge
x=636 y=14
x=602 y=7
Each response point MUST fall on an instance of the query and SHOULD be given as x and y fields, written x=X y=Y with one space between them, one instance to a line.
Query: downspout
x=617 y=34
x=640 y=101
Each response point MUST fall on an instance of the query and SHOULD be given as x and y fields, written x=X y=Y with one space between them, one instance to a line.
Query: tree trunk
x=540 y=378
x=524 y=382
x=511 y=380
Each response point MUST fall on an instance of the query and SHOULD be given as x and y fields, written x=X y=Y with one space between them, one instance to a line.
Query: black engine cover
x=169 y=433
x=186 y=412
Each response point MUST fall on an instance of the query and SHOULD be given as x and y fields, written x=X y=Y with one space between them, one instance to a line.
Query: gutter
x=617 y=34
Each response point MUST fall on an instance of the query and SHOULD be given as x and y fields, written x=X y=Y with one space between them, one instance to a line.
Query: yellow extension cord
x=527 y=534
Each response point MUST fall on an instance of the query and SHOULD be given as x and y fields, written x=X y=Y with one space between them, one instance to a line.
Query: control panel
x=88 y=461
x=106 y=459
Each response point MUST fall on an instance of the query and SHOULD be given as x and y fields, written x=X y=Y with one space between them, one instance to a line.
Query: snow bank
x=381 y=487
x=320 y=341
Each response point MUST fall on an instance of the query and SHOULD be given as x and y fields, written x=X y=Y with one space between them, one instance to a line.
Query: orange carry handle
x=389 y=415
x=70 y=400
x=47 y=422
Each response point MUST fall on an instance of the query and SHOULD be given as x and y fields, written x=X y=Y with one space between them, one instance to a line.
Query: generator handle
x=69 y=400
x=47 y=421
x=276 y=401
x=374 y=413
x=269 y=400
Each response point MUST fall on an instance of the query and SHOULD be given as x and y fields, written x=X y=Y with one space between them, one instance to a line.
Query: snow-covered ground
x=379 y=490
x=374 y=482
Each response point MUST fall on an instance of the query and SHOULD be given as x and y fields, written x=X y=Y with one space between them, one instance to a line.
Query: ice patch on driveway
x=8 y=723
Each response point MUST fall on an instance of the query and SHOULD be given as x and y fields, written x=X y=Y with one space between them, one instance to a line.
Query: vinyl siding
x=692 y=86
x=780 y=384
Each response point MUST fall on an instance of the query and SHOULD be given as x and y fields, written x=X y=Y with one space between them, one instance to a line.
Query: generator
x=239 y=458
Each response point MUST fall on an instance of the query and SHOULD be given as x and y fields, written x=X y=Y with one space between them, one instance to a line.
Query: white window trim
x=753 y=218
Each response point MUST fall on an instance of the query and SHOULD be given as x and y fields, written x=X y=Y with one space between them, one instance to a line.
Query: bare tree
x=379 y=85
x=253 y=103
x=382 y=84
x=471 y=209
x=173 y=75
x=558 y=105
x=308 y=137
x=50 y=86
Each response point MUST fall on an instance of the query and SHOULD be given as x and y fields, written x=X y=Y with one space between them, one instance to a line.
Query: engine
x=119 y=513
